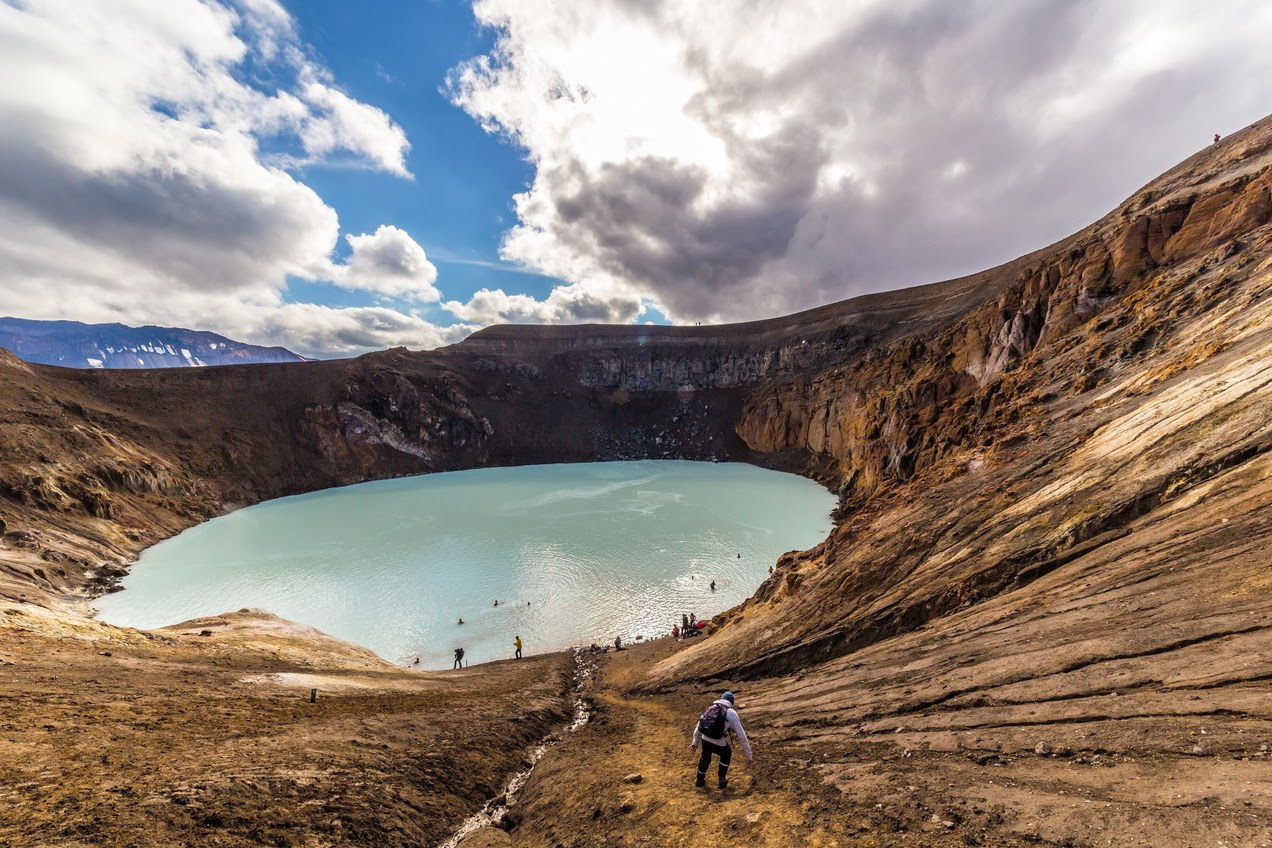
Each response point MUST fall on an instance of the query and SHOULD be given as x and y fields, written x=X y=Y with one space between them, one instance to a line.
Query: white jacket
x=731 y=722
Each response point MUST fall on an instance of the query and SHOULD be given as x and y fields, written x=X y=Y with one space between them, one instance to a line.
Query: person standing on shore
x=712 y=731
x=517 y=643
x=459 y=659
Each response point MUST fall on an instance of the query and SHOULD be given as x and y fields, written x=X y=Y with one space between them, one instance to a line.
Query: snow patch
x=96 y=363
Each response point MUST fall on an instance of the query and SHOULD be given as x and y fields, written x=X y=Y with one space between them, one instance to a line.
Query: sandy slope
x=119 y=737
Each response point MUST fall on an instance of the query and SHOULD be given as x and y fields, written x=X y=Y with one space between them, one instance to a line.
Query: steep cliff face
x=903 y=407
x=1102 y=394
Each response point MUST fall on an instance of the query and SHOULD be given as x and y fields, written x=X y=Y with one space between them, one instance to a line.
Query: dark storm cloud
x=850 y=148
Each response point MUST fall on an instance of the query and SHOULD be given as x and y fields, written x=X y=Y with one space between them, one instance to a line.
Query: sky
x=340 y=177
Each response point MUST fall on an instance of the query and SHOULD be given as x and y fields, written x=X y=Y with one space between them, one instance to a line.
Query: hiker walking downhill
x=517 y=643
x=712 y=730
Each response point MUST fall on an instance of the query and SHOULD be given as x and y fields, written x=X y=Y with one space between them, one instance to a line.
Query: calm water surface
x=573 y=554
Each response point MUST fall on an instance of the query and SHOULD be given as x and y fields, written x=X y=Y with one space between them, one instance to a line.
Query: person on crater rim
x=712 y=731
x=517 y=644
x=459 y=659
x=618 y=643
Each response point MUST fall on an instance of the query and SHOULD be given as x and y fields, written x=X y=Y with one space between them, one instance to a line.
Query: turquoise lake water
x=573 y=553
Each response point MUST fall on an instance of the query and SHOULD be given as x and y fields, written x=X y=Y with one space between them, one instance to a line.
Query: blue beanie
x=727 y=696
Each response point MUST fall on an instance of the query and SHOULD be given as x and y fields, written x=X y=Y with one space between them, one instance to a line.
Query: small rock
x=1042 y=749
x=205 y=632
x=634 y=777
x=485 y=837
x=1198 y=751
x=104 y=653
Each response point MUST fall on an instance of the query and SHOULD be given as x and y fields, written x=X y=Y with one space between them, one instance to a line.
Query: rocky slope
x=1054 y=503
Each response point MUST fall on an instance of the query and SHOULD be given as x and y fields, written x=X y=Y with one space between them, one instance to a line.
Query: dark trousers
x=518 y=653
x=724 y=752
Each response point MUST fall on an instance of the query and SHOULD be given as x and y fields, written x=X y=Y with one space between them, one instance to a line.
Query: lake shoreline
x=617 y=583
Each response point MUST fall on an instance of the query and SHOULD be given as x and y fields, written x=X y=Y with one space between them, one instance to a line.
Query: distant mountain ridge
x=73 y=344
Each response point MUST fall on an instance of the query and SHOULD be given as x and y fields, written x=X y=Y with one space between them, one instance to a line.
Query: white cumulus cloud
x=388 y=262
x=576 y=304
x=145 y=174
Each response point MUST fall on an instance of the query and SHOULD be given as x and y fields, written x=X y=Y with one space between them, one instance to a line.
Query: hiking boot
x=724 y=784
x=700 y=782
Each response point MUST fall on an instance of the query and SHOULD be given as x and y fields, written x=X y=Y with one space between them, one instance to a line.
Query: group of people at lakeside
x=459 y=652
x=689 y=626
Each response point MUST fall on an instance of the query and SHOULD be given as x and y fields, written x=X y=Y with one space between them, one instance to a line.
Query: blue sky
x=340 y=177
x=396 y=56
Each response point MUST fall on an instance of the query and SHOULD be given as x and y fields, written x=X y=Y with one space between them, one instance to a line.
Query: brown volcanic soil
x=1117 y=773
x=118 y=737
x=1043 y=616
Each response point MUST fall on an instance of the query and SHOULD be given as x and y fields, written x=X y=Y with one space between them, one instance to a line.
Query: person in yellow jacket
x=517 y=643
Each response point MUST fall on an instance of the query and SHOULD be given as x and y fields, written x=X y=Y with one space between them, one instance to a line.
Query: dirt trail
x=1176 y=780
x=583 y=793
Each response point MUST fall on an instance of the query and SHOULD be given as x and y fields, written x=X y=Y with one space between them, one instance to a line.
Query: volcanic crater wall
x=874 y=396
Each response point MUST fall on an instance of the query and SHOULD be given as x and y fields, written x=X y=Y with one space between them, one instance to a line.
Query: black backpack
x=713 y=722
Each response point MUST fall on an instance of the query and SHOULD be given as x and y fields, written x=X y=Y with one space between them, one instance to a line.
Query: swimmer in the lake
x=461 y=621
x=496 y=602
x=712 y=585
